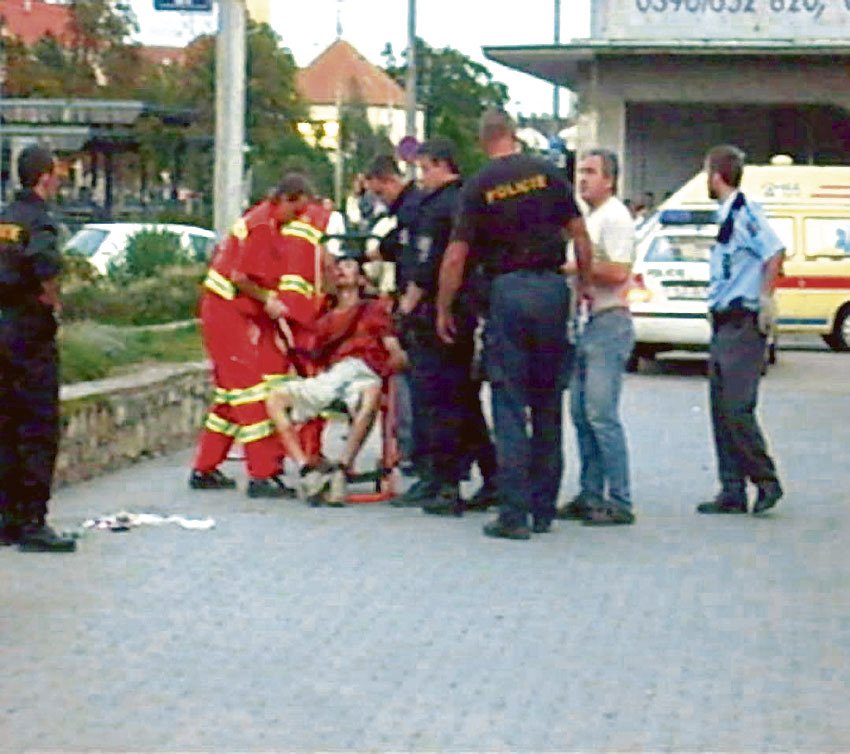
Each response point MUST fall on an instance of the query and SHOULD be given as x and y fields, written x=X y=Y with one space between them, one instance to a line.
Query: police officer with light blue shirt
x=745 y=262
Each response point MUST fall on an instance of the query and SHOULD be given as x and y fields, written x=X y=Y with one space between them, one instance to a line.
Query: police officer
x=402 y=199
x=29 y=381
x=440 y=373
x=511 y=222
x=745 y=262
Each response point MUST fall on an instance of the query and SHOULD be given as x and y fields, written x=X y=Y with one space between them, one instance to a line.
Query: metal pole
x=2 y=87
x=556 y=90
x=229 y=114
x=410 y=81
x=338 y=153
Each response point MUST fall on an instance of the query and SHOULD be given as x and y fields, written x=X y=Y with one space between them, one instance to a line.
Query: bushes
x=91 y=351
x=147 y=252
x=171 y=295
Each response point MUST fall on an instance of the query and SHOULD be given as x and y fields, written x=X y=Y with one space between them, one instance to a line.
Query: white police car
x=668 y=299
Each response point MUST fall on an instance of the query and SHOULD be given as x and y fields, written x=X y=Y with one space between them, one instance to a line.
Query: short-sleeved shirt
x=342 y=337
x=737 y=265
x=431 y=231
x=512 y=215
x=612 y=236
x=396 y=246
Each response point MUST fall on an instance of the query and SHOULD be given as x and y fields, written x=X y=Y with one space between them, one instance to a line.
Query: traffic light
x=192 y=5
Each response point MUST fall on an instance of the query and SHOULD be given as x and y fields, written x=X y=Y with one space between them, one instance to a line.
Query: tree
x=454 y=90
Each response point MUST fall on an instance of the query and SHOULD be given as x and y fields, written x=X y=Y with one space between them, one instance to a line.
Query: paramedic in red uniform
x=240 y=336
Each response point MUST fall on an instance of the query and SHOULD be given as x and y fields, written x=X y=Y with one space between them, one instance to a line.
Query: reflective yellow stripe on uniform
x=300 y=229
x=214 y=423
x=241 y=396
x=255 y=432
x=220 y=285
x=296 y=284
x=239 y=230
x=273 y=380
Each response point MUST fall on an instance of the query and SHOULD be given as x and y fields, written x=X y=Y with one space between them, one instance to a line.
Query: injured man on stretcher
x=356 y=348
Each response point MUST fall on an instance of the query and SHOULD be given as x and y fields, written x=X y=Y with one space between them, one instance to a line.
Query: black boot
x=272 y=487
x=447 y=502
x=210 y=480
x=41 y=538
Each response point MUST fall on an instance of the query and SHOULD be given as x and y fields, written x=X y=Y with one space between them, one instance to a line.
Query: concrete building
x=661 y=81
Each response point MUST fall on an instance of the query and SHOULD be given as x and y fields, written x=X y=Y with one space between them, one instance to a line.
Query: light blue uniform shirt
x=737 y=267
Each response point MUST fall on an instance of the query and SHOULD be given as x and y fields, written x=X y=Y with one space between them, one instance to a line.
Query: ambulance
x=809 y=208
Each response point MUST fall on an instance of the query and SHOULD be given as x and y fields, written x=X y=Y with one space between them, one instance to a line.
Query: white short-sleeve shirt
x=612 y=235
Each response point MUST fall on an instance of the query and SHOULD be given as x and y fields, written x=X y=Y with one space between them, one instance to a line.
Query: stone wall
x=112 y=423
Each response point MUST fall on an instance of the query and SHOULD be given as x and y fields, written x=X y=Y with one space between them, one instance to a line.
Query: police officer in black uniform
x=29 y=381
x=441 y=386
x=511 y=222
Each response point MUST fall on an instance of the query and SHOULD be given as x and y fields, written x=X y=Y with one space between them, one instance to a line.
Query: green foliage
x=147 y=252
x=455 y=91
x=91 y=351
x=169 y=297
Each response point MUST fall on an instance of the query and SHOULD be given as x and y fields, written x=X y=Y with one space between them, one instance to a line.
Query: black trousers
x=449 y=426
x=29 y=413
x=735 y=362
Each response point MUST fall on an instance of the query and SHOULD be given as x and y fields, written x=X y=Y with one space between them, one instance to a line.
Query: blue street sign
x=193 y=5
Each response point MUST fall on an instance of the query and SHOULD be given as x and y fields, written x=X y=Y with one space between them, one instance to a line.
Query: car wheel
x=839 y=338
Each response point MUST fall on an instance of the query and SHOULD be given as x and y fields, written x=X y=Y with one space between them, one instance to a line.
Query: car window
x=784 y=228
x=679 y=249
x=201 y=247
x=86 y=241
x=827 y=237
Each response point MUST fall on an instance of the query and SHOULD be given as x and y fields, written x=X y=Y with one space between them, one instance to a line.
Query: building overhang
x=568 y=64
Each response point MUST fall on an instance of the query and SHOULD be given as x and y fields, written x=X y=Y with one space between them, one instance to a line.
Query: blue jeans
x=525 y=350
x=597 y=380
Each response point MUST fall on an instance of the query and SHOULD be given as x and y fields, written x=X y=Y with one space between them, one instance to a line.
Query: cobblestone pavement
x=288 y=628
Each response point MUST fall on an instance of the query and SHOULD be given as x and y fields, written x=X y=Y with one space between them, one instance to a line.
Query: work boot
x=578 y=509
x=337 y=491
x=419 y=492
x=447 y=502
x=10 y=533
x=41 y=538
x=271 y=487
x=486 y=497
x=724 y=503
x=769 y=494
x=499 y=529
x=210 y=480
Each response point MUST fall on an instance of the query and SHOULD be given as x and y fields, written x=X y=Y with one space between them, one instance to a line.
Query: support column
x=229 y=114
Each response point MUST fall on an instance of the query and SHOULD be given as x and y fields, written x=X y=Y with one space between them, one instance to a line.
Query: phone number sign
x=721 y=19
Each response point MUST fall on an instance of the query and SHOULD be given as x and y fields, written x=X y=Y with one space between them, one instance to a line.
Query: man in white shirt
x=602 y=350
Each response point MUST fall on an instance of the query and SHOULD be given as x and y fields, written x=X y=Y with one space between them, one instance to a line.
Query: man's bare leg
x=278 y=404
x=361 y=425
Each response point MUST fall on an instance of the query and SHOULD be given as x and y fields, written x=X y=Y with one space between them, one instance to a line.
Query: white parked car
x=103 y=243
x=668 y=299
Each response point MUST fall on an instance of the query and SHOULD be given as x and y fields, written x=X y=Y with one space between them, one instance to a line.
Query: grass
x=90 y=351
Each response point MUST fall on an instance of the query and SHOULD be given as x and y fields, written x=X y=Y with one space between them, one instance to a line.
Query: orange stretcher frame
x=385 y=476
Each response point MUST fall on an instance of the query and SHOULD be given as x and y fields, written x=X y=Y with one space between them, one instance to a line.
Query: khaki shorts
x=344 y=382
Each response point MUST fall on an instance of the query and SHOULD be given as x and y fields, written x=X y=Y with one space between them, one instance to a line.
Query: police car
x=669 y=293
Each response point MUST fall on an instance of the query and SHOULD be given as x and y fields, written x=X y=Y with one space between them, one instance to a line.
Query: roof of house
x=30 y=20
x=340 y=69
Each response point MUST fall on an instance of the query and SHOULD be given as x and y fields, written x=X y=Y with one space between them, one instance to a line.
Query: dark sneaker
x=541 y=526
x=609 y=515
x=272 y=487
x=447 y=502
x=577 y=509
x=211 y=480
x=769 y=495
x=723 y=505
x=501 y=530
x=42 y=538
x=420 y=492
x=312 y=482
x=487 y=497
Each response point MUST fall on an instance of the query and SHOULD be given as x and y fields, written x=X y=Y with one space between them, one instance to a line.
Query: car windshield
x=680 y=249
x=86 y=242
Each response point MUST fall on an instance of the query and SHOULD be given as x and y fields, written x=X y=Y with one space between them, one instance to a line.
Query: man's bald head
x=497 y=132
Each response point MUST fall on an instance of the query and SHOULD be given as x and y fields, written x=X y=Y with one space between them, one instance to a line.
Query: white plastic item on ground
x=124 y=521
